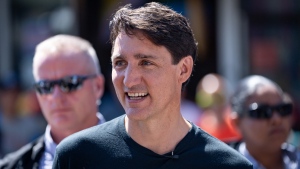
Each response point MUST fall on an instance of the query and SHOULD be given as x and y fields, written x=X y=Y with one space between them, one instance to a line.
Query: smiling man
x=153 y=52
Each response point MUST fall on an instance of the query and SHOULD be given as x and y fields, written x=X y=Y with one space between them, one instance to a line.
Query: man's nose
x=56 y=92
x=132 y=76
x=276 y=117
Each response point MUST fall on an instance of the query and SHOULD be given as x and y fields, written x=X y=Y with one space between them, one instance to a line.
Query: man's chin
x=61 y=123
x=137 y=115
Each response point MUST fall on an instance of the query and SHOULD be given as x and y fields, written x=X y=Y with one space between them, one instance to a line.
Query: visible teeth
x=137 y=94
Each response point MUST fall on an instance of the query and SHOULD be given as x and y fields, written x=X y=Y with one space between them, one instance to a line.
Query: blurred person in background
x=263 y=115
x=68 y=86
x=19 y=123
x=294 y=135
x=212 y=97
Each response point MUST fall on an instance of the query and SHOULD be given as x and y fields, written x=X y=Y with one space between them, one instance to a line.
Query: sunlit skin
x=67 y=113
x=146 y=70
x=263 y=137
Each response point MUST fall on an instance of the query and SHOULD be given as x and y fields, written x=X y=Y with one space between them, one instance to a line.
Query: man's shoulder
x=95 y=134
x=29 y=153
x=218 y=151
x=111 y=126
x=235 y=144
x=211 y=142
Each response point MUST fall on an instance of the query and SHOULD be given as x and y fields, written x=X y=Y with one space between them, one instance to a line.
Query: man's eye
x=144 y=62
x=119 y=63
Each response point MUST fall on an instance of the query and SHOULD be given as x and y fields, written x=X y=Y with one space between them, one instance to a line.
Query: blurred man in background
x=69 y=86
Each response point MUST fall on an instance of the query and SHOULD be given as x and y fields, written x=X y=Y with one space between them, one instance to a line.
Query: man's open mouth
x=137 y=95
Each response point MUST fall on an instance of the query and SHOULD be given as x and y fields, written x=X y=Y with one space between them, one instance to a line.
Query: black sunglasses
x=66 y=84
x=264 y=111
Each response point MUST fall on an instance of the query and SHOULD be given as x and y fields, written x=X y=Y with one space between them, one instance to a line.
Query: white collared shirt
x=50 y=146
x=288 y=156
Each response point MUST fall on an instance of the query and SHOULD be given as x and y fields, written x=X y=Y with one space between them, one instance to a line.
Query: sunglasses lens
x=43 y=87
x=265 y=111
x=71 y=83
x=285 y=110
x=261 y=112
x=67 y=84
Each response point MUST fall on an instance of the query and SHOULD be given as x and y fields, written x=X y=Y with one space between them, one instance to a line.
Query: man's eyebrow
x=142 y=56
x=116 y=56
x=137 y=56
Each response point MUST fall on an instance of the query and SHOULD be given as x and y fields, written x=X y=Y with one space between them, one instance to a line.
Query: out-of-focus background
x=236 y=38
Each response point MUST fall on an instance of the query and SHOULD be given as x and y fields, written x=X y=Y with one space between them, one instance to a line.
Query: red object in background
x=264 y=55
x=224 y=130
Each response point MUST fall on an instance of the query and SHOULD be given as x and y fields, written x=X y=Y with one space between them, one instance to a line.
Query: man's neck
x=159 y=135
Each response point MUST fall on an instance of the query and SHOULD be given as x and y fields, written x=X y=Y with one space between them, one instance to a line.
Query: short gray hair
x=67 y=43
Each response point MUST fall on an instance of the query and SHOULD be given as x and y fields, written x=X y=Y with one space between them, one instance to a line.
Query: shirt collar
x=289 y=155
x=243 y=150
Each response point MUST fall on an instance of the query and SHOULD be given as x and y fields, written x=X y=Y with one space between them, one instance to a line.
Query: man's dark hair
x=160 y=24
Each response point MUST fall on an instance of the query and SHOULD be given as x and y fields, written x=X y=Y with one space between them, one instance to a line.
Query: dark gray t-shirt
x=108 y=146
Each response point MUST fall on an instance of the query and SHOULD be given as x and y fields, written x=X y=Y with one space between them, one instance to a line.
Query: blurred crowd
x=21 y=120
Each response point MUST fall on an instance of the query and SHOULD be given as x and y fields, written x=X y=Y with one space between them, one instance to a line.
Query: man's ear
x=235 y=120
x=99 y=87
x=186 y=68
